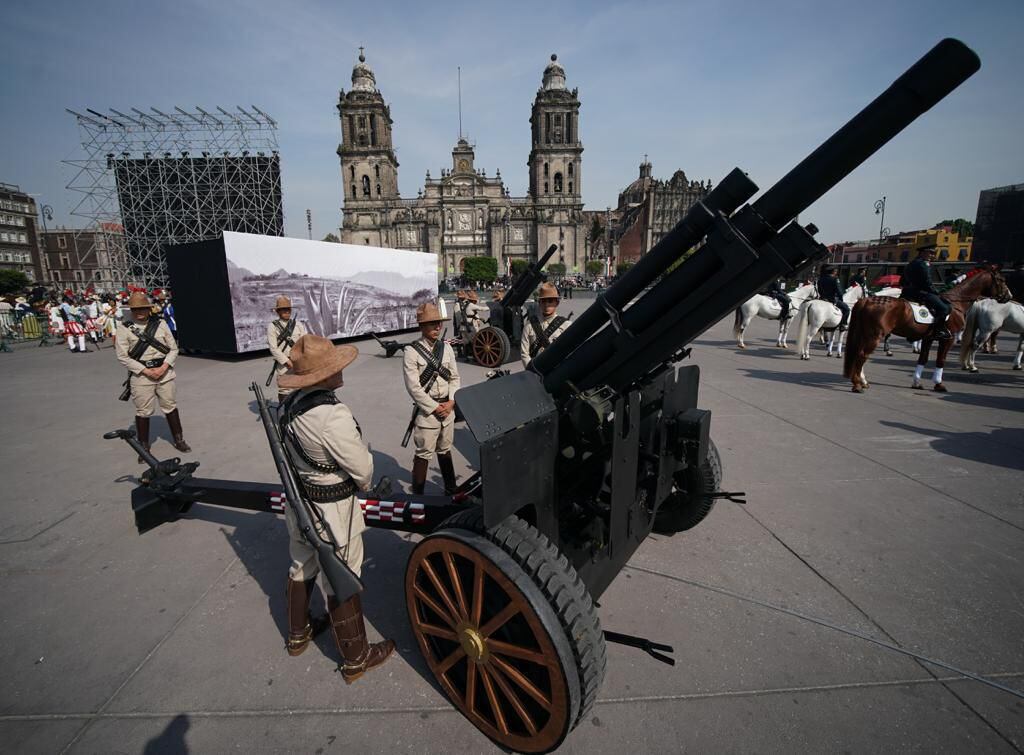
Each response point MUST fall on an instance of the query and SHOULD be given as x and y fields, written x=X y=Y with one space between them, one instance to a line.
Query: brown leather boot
x=358 y=655
x=174 y=421
x=142 y=433
x=419 y=474
x=301 y=626
x=447 y=472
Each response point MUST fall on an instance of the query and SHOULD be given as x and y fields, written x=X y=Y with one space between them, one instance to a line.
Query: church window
x=361 y=121
x=366 y=186
x=547 y=127
x=378 y=190
x=353 y=191
x=558 y=183
x=570 y=187
x=568 y=128
x=545 y=170
x=352 y=172
x=376 y=171
x=545 y=187
x=570 y=170
x=373 y=130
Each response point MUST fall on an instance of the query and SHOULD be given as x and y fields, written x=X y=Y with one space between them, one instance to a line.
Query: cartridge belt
x=328 y=493
x=150 y=363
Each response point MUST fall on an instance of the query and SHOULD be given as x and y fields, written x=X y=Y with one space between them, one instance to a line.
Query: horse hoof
x=1018 y=367
x=740 y=346
x=917 y=387
x=888 y=353
x=975 y=369
x=857 y=389
x=940 y=388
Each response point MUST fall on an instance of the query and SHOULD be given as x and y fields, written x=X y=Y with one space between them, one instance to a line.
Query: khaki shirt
x=126 y=340
x=281 y=353
x=328 y=434
x=428 y=401
x=530 y=337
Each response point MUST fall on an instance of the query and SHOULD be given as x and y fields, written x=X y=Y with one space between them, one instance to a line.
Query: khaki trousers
x=345 y=523
x=147 y=393
x=438 y=437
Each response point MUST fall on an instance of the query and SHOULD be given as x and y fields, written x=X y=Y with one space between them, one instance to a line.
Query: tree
x=12 y=281
x=332 y=238
x=556 y=268
x=623 y=267
x=518 y=266
x=596 y=230
x=480 y=268
x=961 y=226
x=595 y=267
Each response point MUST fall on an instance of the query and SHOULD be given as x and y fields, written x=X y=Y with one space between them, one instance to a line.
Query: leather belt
x=150 y=363
x=328 y=493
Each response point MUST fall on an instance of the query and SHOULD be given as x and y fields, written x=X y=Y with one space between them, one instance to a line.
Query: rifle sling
x=284 y=334
x=543 y=334
x=434 y=367
x=146 y=338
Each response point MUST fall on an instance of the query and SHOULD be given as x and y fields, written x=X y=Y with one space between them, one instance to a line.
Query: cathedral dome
x=554 y=74
x=363 y=79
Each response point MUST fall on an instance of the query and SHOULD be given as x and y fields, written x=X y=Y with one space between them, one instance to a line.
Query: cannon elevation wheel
x=491 y=347
x=507 y=628
x=690 y=502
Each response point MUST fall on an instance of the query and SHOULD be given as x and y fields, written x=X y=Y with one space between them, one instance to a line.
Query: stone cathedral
x=464 y=212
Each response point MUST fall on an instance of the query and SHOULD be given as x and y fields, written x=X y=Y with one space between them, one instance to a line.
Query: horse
x=875 y=316
x=760 y=305
x=816 y=314
x=985 y=317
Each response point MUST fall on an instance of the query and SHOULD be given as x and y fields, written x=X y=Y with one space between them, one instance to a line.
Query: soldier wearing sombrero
x=539 y=332
x=325 y=445
x=282 y=334
x=431 y=378
x=146 y=347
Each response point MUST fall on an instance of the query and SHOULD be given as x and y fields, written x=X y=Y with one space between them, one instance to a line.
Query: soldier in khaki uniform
x=539 y=332
x=282 y=334
x=148 y=350
x=432 y=378
x=326 y=447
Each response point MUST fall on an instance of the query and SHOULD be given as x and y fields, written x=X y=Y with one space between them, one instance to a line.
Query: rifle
x=415 y=409
x=289 y=330
x=146 y=339
x=342 y=579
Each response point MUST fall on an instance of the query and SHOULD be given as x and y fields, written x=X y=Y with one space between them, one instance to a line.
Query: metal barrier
x=16 y=327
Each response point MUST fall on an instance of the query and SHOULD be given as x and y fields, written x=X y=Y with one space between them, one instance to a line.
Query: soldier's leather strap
x=295 y=405
x=146 y=338
x=434 y=367
x=284 y=333
x=543 y=334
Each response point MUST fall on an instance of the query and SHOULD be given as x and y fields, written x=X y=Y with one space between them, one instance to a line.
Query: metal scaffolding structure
x=171 y=178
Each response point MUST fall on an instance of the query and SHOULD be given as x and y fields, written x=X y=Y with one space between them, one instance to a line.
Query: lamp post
x=880 y=210
x=45 y=213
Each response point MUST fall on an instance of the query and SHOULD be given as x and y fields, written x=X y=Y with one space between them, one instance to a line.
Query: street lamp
x=880 y=210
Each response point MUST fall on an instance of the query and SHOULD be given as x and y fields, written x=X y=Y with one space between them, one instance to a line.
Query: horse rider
x=777 y=290
x=917 y=286
x=325 y=444
x=860 y=278
x=431 y=378
x=830 y=289
x=282 y=334
x=539 y=332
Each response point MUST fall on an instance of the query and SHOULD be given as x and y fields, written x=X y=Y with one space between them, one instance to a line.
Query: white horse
x=760 y=305
x=984 y=318
x=816 y=314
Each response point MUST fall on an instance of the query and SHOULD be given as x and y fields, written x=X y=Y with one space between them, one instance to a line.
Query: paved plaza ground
x=877 y=522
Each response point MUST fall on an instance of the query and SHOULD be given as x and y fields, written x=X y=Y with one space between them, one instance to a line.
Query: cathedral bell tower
x=369 y=167
x=556 y=156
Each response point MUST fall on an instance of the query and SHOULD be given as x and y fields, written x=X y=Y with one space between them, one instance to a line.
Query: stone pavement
x=876 y=522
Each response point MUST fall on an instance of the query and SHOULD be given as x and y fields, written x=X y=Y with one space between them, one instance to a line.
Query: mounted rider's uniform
x=916 y=285
x=777 y=291
x=831 y=290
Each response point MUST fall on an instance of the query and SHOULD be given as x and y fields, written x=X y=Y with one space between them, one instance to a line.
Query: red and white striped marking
x=277 y=502
x=392 y=511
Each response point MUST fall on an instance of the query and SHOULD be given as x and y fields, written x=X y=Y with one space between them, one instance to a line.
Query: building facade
x=903 y=246
x=78 y=259
x=19 y=240
x=464 y=212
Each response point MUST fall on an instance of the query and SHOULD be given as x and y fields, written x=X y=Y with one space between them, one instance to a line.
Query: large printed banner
x=337 y=290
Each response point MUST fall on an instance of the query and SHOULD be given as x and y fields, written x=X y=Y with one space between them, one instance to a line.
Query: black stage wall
x=202 y=299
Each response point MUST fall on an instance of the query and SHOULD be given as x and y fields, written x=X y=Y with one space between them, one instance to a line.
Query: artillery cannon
x=494 y=344
x=583 y=455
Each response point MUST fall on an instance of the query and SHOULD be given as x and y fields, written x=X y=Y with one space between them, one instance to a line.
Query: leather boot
x=174 y=421
x=358 y=655
x=419 y=474
x=142 y=433
x=447 y=472
x=301 y=626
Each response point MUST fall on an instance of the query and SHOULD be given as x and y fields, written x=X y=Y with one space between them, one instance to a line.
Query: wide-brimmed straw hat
x=498 y=294
x=547 y=291
x=428 y=313
x=314 y=359
x=138 y=300
x=283 y=302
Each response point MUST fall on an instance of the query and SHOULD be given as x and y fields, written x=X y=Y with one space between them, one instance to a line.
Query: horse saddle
x=922 y=315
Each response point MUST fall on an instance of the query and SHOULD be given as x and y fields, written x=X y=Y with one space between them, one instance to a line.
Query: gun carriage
x=583 y=455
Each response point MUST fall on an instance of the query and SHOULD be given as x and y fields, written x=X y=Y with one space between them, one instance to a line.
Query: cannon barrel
x=526 y=282
x=742 y=253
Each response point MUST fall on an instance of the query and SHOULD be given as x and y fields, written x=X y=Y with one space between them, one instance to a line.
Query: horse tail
x=970 y=325
x=801 y=324
x=737 y=322
x=855 y=337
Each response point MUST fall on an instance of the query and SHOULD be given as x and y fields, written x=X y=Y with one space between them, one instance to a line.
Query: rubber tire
x=563 y=590
x=683 y=512
x=506 y=346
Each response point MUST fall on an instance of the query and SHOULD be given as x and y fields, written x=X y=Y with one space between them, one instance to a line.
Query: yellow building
x=949 y=247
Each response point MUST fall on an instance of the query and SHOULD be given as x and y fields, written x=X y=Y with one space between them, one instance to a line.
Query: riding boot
x=174 y=421
x=358 y=656
x=447 y=472
x=419 y=474
x=939 y=330
x=142 y=433
x=301 y=626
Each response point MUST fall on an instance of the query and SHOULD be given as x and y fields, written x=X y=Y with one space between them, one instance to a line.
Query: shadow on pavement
x=1002 y=403
x=1003 y=447
x=171 y=739
x=827 y=380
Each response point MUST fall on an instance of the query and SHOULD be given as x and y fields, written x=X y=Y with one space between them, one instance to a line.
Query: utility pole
x=309 y=224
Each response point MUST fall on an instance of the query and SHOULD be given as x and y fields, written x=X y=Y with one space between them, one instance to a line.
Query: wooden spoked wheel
x=491 y=347
x=492 y=640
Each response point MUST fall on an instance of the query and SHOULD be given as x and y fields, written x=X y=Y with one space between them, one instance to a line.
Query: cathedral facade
x=464 y=212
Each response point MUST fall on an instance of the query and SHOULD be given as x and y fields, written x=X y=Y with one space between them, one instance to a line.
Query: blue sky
x=702 y=86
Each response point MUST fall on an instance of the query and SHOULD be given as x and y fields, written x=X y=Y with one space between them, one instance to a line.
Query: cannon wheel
x=507 y=628
x=688 y=506
x=491 y=347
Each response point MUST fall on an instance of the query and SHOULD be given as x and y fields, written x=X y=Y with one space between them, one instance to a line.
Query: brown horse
x=874 y=317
